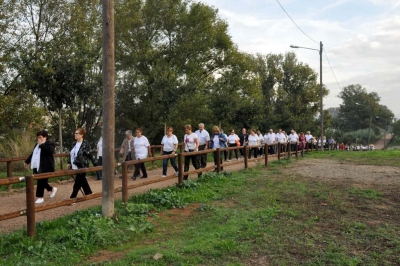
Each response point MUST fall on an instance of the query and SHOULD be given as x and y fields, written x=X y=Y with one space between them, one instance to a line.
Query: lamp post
x=320 y=84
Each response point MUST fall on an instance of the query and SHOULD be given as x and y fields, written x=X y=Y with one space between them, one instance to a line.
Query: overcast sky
x=360 y=37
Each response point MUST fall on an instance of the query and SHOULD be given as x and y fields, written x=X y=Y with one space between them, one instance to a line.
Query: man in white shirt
x=270 y=138
x=281 y=138
x=293 y=139
x=204 y=139
x=309 y=139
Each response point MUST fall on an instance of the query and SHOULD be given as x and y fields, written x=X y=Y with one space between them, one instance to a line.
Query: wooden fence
x=31 y=209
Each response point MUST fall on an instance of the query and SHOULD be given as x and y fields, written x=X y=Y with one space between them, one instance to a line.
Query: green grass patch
x=251 y=217
x=380 y=158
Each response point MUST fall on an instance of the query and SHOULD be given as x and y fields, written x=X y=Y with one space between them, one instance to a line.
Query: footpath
x=380 y=144
x=16 y=200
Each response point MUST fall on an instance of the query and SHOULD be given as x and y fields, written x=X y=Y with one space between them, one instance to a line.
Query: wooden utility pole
x=108 y=108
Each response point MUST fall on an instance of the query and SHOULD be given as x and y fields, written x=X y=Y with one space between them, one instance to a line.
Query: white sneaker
x=164 y=176
x=39 y=200
x=53 y=192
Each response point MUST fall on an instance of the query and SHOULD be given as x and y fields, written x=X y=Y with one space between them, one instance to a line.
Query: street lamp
x=320 y=84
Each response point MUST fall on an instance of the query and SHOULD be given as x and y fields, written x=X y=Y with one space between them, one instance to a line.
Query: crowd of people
x=138 y=147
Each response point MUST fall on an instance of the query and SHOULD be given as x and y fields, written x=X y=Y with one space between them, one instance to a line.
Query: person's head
x=128 y=134
x=188 y=129
x=138 y=132
x=280 y=130
x=42 y=135
x=271 y=131
x=258 y=132
x=283 y=132
x=244 y=130
x=201 y=126
x=301 y=133
x=170 y=130
x=253 y=132
x=79 y=134
x=292 y=131
x=221 y=130
x=215 y=130
x=308 y=132
x=232 y=132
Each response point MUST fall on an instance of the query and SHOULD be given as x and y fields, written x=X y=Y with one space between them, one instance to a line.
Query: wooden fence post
x=297 y=149
x=288 y=150
x=218 y=160
x=124 y=182
x=279 y=151
x=266 y=155
x=30 y=206
x=180 y=167
x=246 y=163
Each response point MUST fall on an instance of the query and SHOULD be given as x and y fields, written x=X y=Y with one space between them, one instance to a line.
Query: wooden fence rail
x=29 y=179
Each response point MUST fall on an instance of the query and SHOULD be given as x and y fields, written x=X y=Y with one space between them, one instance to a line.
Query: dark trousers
x=138 y=167
x=216 y=159
x=165 y=163
x=230 y=152
x=293 y=147
x=42 y=184
x=195 y=163
x=271 y=150
x=202 y=158
x=254 y=151
x=99 y=163
x=80 y=182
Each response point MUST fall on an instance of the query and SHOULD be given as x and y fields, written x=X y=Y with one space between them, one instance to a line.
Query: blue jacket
x=222 y=143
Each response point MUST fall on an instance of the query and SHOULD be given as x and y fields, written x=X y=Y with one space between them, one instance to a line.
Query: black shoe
x=134 y=177
x=99 y=178
x=143 y=176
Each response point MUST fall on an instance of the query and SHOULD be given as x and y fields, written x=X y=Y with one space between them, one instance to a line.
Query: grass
x=380 y=158
x=252 y=217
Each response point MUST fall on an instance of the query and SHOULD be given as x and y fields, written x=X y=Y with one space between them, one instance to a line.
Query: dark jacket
x=243 y=139
x=83 y=157
x=46 y=157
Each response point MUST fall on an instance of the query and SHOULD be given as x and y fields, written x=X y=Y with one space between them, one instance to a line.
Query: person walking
x=270 y=139
x=99 y=157
x=204 y=139
x=142 y=150
x=218 y=140
x=233 y=139
x=79 y=158
x=225 y=152
x=281 y=139
x=253 y=142
x=243 y=137
x=309 y=139
x=191 y=142
x=41 y=160
x=169 y=146
x=127 y=151
x=293 y=139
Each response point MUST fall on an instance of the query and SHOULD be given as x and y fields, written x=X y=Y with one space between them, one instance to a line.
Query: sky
x=360 y=37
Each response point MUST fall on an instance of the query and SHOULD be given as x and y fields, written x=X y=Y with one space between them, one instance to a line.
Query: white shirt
x=74 y=153
x=35 y=161
x=308 y=137
x=281 y=137
x=293 y=137
x=270 y=138
x=141 y=147
x=261 y=138
x=203 y=136
x=216 y=142
x=253 y=140
x=232 y=138
x=190 y=141
x=169 y=143
x=100 y=148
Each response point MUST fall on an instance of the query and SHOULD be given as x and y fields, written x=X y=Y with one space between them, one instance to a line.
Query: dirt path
x=16 y=200
x=380 y=144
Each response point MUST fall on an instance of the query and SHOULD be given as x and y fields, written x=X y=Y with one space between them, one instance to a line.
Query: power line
x=332 y=70
x=296 y=23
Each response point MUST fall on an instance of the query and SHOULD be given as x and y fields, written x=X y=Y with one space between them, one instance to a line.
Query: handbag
x=237 y=142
